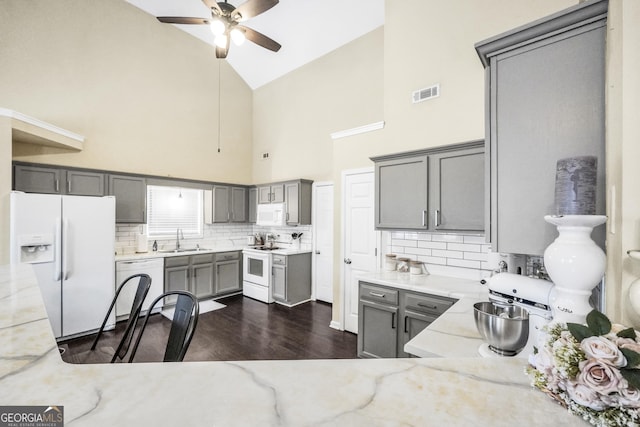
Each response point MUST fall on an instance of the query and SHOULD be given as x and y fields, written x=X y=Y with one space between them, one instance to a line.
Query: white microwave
x=271 y=214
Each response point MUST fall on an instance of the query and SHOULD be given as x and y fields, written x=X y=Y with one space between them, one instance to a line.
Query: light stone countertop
x=168 y=253
x=454 y=333
x=390 y=392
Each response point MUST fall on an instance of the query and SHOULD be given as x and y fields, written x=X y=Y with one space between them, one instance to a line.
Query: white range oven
x=256 y=274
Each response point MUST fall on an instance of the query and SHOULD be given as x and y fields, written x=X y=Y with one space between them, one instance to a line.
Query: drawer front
x=430 y=304
x=379 y=294
x=176 y=261
x=227 y=256
x=279 y=259
x=202 y=259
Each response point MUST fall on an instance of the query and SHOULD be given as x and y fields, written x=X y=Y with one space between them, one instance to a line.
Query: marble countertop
x=168 y=253
x=454 y=333
x=389 y=392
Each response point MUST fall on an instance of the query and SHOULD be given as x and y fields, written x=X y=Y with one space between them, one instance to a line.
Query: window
x=170 y=208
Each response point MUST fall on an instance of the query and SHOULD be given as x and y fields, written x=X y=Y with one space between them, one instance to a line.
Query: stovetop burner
x=265 y=248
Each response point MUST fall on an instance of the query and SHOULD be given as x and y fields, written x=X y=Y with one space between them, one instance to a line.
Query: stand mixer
x=533 y=295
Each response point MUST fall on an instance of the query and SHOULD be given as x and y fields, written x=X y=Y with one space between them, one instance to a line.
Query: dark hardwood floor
x=244 y=330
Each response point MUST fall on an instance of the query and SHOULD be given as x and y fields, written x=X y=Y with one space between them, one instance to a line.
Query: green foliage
x=633 y=358
x=579 y=331
x=598 y=323
x=627 y=333
x=632 y=376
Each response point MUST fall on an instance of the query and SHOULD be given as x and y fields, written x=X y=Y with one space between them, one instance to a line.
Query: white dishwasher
x=154 y=268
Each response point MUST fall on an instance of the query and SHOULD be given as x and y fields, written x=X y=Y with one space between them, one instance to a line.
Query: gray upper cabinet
x=229 y=204
x=438 y=189
x=51 y=180
x=298 y=202
x=84 y=183
x=457 y=189
x=273 y=193
x=545 y=101
x=253 y=205
x=36 y=179
x=401 y=192
x=131 y=198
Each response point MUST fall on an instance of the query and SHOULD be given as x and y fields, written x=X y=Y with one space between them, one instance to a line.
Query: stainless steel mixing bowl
x=504 y=327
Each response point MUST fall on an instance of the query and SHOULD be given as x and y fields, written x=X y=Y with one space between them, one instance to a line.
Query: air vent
x=426 y=93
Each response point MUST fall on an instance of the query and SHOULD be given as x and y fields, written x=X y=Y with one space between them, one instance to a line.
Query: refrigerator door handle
x=57 y=273
x=65 y=246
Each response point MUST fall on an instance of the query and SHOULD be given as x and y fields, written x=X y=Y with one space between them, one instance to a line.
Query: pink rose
x=583 y=395
x=629 y=397
x=604 y=350
x=599 y=377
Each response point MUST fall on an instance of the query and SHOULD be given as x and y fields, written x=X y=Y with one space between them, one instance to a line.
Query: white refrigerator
x=70 y=241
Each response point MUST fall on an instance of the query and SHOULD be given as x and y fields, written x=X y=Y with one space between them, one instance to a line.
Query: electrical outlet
x=265 y=156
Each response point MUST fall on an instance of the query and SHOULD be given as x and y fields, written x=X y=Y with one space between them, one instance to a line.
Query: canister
x=390 y=262
x=402 y=265
x=415 y=267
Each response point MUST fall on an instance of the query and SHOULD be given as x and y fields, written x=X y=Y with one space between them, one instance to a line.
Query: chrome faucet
x=178 y=234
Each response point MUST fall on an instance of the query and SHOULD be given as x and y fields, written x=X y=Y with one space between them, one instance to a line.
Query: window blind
x=172 y=208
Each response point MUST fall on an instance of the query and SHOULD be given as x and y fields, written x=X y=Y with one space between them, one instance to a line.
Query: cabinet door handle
x=68 y=186
x=57 y=185
x=437 y=217
x=406 y=331
x=432 y=307
x=393 y=320
x=287 y=216
x=376 y=294
x=424 y=218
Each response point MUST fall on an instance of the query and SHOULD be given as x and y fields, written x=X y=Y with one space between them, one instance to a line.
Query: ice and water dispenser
x=35 y=248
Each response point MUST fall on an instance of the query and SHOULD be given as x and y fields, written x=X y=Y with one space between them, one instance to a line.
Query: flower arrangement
x=591 y=370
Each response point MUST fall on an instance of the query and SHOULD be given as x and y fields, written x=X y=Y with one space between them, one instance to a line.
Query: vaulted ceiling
x=306 y=29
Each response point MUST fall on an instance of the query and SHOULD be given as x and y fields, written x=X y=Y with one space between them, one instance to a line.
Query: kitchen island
x=441 y=391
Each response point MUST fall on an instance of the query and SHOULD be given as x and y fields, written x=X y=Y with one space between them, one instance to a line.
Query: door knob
x=347 y=261
x=317 y=252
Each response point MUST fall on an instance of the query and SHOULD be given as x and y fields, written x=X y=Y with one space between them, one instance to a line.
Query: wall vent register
x=425 y=93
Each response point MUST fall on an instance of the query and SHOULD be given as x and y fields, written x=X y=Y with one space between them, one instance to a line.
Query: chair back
x=144 y=284
x=183 y=325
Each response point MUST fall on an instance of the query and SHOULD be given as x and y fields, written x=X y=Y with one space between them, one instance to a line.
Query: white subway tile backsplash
x=432 y=245
x=449 y=238
x=447 y=254
x=405 y=243
x=463 y=247
x=480 y=240
x=458 y=255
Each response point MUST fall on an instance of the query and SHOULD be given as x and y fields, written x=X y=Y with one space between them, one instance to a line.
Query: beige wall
x=144 y=94
x=294 y=115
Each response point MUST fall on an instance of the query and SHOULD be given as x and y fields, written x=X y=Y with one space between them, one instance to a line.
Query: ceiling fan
x=225 y=24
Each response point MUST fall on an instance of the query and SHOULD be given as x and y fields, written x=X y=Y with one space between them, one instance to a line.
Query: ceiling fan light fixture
x=238 y=37
x=221 y=41
x=217 y=27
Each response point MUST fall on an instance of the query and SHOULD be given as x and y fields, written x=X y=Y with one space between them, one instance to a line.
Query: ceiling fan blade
x=211 y=4
x=182 y=20
x=252 y=8
x=260 y=39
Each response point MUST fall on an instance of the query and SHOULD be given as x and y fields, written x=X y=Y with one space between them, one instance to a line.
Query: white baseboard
x=336 y=325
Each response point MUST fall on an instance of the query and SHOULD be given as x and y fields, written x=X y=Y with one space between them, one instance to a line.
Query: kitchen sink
x=182 y=250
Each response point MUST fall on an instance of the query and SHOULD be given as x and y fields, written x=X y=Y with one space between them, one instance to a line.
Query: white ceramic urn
x=575 y=264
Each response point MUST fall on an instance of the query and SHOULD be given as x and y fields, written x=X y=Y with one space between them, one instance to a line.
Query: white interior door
x=323 y=241
x=360 y=238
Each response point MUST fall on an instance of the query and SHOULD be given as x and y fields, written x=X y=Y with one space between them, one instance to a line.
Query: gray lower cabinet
x=192 y=273
x=457 y=189
x=39 y=179
x=131 y=198
x=228 y=273
x=291 y=278
x=545 y=102
x=378 y=310
x=438 y=189
x=388 y=318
